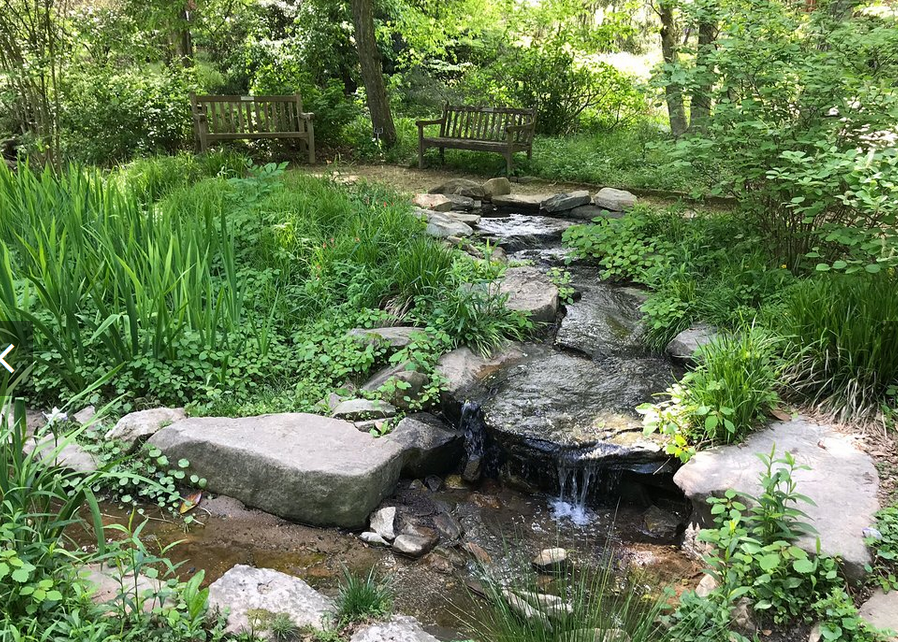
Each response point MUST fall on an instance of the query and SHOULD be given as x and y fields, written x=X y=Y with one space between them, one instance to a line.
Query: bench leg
x=420 y=148
x=509 y=163
x=442 y=155
x=311 y=143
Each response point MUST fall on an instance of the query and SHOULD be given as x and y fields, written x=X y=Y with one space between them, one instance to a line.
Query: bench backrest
x=250 y=114
x=487 y=123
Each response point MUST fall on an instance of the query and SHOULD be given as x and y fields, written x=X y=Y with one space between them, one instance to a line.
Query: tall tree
x=372 y=70
x=672 y=89
x=700 y=103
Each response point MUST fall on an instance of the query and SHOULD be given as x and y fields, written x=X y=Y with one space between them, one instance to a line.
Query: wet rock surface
x=519 y=232
x=604 y=322
x=532 y=292
x=839 y=476
x=553 y=401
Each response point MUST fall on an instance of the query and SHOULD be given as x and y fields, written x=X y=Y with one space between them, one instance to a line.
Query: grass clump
x=729 y=394
x=843 y=333
x=363 y=597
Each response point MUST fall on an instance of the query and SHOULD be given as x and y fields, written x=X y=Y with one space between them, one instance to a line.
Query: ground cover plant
x=228 y=288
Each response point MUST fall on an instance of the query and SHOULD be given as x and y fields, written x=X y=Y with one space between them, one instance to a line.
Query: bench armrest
x=307 y=115
x=519 y=128
x=425 y=123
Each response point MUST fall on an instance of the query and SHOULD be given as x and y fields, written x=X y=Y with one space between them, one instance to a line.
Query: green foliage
x=883 y=541
x=151 y=179
x=802 y=104
x=754 y=556
x=729 y=394
x=843 y=333
x=363 y=598
x=590 y=598
x=702 y=267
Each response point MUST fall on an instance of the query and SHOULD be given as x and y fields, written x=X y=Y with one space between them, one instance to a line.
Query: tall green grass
x=843 y=342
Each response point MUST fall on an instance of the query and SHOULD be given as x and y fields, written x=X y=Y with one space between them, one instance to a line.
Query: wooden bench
x=482 y=129
x=218 y=118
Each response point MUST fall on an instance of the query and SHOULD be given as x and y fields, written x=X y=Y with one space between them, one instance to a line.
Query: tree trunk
x=700 y=106
x=372 y=71
x=183 y=38
x=673 y=92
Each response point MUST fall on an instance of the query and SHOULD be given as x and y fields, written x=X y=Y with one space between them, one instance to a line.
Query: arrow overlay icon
x=3 y=356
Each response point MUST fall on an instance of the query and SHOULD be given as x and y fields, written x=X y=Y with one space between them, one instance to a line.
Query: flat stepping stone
x=615 y=200
x=881 y=610
x=530 y=291
x=435 y=202
x=467 y=219
x=441 y=225
x=521 y=202
x=307 y=468
x=396 y=337
x=254 y=596
x=564 y=202
x=840 y=476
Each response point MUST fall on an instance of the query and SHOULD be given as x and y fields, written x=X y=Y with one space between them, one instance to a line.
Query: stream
x=590 y=498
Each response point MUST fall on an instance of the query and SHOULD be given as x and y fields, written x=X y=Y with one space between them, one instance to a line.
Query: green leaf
x=823 y=267
x=769 y=562
x=21 y=575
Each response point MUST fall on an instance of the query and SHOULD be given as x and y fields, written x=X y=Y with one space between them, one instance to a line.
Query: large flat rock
x=553 y=403
x=520 y=202
x=604 y=322
x=302 y=467
x=462 y=369
x=399 y=628
x=841 y=480
x=254 y=596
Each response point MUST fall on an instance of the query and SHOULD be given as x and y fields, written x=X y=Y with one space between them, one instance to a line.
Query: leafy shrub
x=151 y=179
x=362 y=598
x=884 y=544
x=843 y=332
x=112 y=115
x=724 y=398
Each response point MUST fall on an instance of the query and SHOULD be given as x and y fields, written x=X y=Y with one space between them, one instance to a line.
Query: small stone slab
x=383 y=522
x=435 y=202
x=85 y=415
x=137 y=426
x=565 y=202
x=401 y=372
x=494 y=187
x=400 y=628
x=361 y=409
x=431 y=446
x=442 y=225
x=107 y=585
x=686 y=344
x=530 y=291
x=250 y=594
x=591 y=212
x=396 y=337
x=615 y=200
x=370 y=537
x=415 y=544
x=462 y=187
x=840 y=475
x=460 y=203
x=881 y=610
x=467 y=219
x=550 y=560
x=463 y=368
x=307 y=468
x=521 y=202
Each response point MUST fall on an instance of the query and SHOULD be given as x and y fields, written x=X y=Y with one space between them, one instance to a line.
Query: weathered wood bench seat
x=219 y=118
x=483 y=129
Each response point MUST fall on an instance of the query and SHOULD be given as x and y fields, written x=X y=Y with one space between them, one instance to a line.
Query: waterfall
x=574 y=482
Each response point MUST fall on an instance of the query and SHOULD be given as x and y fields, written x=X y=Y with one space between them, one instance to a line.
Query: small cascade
x=474 y=428
x=576 y=479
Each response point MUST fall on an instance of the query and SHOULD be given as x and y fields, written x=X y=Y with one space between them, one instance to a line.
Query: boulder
x=615 y=200
x=463 y=368
x=415 y=544
x=361 y=409
x=494 y=187
x=565 y=202
x=435 y=202
x=137 y=426
x=462 y=187
x=399 y=628
x=253 y=596
x=442 y=225
x=383 y=522
x=530 y=291
x=881 y=610
x=839 y=475
x=520 y=202
x=403 y=373
x=686 y=344
x=109 y=587
x=604 y=322
x=395 y=337
x=302 y=467
x=430 y=446
x=707 y=586
x=71 y=456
